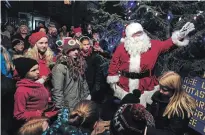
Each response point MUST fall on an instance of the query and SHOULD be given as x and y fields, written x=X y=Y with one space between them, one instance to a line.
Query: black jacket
x=164 y=126
x=8 y=88
x=95 y=78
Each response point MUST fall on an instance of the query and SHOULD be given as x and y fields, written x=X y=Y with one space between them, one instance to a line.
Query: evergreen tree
x=159 y=20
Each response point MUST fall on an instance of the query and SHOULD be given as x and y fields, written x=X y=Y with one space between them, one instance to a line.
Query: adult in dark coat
x=7 y=103
x=22 y=34
x=172 y=107
x=94 y=73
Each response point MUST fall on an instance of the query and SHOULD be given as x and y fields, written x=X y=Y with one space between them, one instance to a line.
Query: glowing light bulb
x=156 y=14
x=168 y=17
x=180 y=19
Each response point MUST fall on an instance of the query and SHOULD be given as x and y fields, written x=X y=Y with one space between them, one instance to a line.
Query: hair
x=84 y=38
x=180 y=103
x=33 y=53
x=32 y=127
x=85 y=114
x=9 y=64
x=38 y=29
x=18 y=30
x=76 y=66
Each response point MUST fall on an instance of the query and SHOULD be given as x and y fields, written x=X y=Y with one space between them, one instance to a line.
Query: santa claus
x=133 y=61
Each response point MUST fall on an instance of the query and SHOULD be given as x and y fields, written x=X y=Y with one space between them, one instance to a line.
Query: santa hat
x=76 y=30
x=133 y=28
x=131 y=119
x=70 y=45
x=36 y=37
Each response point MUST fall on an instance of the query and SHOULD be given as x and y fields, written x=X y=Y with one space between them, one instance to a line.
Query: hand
x=44 y=77
x=41 y=80
x=186 y=29
x=99 y=49
x=100 y=127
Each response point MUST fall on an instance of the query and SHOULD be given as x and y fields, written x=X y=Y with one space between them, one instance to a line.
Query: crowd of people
x=53 y=84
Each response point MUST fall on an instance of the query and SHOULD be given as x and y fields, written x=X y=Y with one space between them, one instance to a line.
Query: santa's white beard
x=137 y=45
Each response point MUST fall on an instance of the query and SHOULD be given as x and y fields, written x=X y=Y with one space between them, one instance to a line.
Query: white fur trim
x=134 y=67
x=113 y=79
x=122 y=40
x=176 y=41
x=118 y=91
x=88 y=97
x=133 y=28
x=146 y=97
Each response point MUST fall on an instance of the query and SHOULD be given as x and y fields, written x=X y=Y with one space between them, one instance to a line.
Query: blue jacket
x=3 y=67
x=61 y=126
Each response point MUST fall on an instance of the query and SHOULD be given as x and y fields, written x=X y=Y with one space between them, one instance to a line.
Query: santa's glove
x=185 y=30
x=133 y=97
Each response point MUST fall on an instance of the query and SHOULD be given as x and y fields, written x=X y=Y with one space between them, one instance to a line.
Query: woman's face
x=42 y=45
x=165 y=90
x=73 y=53
x=24 y=29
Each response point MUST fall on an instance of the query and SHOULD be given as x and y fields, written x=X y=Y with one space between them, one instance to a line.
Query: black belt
x=134 y=75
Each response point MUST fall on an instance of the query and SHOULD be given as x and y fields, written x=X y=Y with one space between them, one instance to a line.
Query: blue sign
x=195 y=87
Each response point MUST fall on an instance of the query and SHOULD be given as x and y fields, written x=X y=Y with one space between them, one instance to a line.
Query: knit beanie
x=131 y=119
x=35 y=37
x=23 y=65
x=71 y=44
x=16 y=41
x=133 y=97
x=76 y=30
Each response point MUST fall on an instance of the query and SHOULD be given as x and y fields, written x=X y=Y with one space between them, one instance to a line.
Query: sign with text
x=195 y=87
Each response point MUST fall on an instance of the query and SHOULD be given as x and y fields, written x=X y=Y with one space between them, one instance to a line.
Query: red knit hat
x=35 y=37
x=76 y=30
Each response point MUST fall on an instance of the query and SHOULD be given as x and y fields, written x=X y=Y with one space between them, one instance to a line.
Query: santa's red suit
x=128 y=71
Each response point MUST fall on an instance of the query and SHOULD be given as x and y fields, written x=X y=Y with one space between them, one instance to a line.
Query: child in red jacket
x=31 y=97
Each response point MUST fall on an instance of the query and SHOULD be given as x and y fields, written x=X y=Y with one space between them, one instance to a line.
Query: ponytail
x=84 y=114
x=77 y=118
